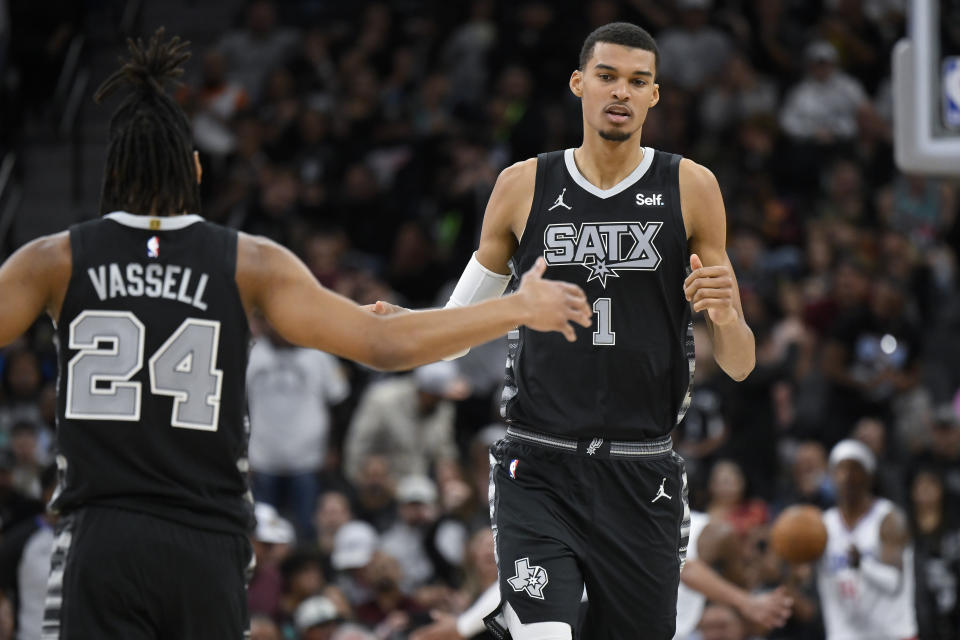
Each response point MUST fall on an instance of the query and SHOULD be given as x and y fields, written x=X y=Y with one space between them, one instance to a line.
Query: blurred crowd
x=367 y=137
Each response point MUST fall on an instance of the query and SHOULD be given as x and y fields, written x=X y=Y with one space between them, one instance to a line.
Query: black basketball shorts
x=610 y=516
x=122 y=574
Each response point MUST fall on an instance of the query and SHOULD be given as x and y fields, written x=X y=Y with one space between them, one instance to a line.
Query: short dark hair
x=622 y=33
x=150 y=149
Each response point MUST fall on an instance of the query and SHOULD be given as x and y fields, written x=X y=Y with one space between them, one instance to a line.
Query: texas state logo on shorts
x=530 y=579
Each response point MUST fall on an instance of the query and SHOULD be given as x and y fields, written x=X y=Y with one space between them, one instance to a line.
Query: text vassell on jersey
x=169 y=281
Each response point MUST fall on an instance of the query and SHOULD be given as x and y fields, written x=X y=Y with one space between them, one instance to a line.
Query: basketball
x=798 y=534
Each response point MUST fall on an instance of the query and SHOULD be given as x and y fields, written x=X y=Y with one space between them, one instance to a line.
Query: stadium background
x=367 y=137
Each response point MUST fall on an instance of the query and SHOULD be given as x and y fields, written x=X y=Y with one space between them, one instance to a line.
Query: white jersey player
x=865 y=576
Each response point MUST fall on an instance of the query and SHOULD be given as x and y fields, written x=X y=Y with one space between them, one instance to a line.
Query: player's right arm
x=33 y=280
x=718 y=544
x=886 y=571
x=767 y=610
x=487 y=274
x=271 y=279
x=506 y=215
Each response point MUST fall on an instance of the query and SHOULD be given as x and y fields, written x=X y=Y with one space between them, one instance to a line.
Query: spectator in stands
x=353 y=632
x=316 y=618
x=409 y=417
x=873 y=356
x=693 y=52
x=374 y=486
x=388 y=609
x=889 y=478
x=263 y=628
x=741 y=94
x=252 y=52
x=722 y=622
x=936 y=534
x=290 y=392
x=333 y=511
x=465 y=54
x=25 y=562
x=354 y=546
x=21 y=386
x=943 y=454
x=302 y=579
x=823 y=107
x=14 y=506
x=271 y=542
x=729 y=500
x=406 y=540
x=809 y=478
x=211 y=106
x=28 y=467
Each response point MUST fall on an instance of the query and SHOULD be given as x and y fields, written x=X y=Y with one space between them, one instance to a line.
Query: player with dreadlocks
x=149 y=135
x=150 y=302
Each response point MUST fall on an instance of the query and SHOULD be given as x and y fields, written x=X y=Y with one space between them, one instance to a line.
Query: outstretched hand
x=553 y=305
x=711 y=289
x=769 y=610
x=382 y=308
x=444 y=627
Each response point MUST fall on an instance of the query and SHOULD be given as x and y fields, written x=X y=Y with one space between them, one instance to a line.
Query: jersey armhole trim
x=232 y=242
x=678 y=209
x=75 y=238
x=537 y=197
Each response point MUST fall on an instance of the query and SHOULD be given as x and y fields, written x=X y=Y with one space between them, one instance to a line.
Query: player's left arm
x=767 y=610
x=33 y=280
x=712 y=284
x=886 y=572
x=719 y=544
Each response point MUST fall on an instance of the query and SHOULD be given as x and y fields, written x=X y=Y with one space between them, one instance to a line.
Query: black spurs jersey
x=153 y=343
x=629 y=375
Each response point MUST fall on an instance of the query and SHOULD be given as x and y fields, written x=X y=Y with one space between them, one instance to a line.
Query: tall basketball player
x=585 y=488
x=865 y=576
x=151 y=307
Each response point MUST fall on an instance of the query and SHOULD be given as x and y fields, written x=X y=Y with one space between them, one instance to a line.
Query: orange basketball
x=798 y=534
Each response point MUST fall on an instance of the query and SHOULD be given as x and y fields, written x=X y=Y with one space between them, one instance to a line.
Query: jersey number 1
x=604 y=335
x=111 y=346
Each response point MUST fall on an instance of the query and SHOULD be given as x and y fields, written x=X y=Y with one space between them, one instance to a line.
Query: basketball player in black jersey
x=151 y=309
x=585 y=489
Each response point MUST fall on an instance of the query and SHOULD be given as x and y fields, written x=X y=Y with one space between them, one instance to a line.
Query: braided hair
x=150 y=168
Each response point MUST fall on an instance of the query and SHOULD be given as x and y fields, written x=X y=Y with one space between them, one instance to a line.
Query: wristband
x=883 y=576
x=476 y=284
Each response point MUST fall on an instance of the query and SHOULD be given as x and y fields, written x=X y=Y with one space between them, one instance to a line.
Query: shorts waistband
x=594 y=447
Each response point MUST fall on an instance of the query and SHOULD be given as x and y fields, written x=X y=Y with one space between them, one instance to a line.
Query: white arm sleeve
x=470 y=622
x=883 y=576
x=476 y=285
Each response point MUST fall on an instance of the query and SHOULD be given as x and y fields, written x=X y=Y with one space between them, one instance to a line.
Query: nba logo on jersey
x=153 y=247
x=513 y=468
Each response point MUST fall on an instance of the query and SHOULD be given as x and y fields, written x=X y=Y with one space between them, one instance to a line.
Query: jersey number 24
x=111 y=350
